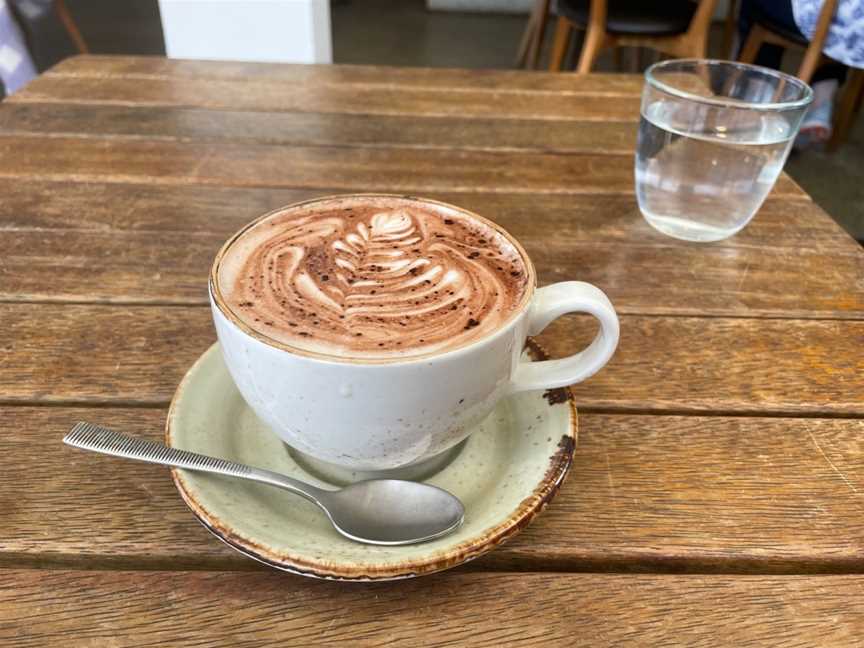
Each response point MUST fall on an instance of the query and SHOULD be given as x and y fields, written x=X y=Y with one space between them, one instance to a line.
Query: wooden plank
x=359 y=169
x=265 y=95
x=160 y=267
x=646 y=493
x=215 y=608
x=97 y=354
x=715 y=365
x=128 y=249
x=86 y=353
x=101 y=206
x=38 y=204
x=506 y=81
x=319 y=129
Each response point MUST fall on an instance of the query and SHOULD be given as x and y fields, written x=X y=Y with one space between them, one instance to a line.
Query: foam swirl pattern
x=372 y=277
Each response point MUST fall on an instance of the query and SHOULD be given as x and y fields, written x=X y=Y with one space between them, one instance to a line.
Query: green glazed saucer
x=507 y=471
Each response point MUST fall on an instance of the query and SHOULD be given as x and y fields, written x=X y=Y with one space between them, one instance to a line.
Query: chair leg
x=729 y=28
x=812 y=59
x=71 y=27
x=846 y=108
x=539 y=32
x=752 y=45
x=595 y=39
x=528 y=36
x=563 y=31
x=525 y=42
x=813 y=53
x=642 y=59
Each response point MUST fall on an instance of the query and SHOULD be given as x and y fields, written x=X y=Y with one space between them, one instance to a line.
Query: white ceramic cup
x=374 y=416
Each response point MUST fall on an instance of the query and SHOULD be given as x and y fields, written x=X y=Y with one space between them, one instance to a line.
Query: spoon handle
x=99 y=439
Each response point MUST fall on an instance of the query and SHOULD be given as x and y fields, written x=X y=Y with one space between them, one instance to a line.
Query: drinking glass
x=713 y=137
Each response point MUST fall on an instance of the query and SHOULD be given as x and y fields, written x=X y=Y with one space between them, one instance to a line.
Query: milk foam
x=374 y=277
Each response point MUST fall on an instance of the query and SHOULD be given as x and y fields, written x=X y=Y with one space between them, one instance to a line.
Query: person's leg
x=817 y=127
x=16 y=64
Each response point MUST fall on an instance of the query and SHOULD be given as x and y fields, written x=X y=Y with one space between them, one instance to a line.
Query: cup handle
x=550 y=303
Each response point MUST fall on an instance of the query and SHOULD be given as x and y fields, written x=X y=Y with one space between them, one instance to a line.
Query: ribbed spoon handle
x=99 y=439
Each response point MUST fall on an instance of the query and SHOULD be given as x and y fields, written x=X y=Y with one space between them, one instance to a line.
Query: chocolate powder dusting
x=379 y=276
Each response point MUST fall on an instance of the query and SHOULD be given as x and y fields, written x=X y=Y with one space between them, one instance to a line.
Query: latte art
x=372 y=277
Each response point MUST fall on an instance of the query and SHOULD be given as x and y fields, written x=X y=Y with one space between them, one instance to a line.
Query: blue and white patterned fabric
x=16 y=66
x=845 y=42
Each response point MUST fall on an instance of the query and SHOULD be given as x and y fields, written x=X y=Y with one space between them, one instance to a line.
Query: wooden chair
x=766 y=31
x=675 y=27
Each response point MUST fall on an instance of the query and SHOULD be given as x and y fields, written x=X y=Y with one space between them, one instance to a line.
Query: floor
x=403 y=32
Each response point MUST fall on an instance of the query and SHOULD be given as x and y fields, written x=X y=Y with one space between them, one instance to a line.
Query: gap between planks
x=621 y=310
x=368 y=145
x=124 y=103
x=582 y=409
x=486 y=564
x=382 y=187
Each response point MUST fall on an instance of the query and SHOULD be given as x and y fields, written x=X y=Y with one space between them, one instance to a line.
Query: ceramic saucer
x=508 y=470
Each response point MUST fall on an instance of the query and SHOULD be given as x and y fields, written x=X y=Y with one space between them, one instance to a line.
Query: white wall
x=292 y=31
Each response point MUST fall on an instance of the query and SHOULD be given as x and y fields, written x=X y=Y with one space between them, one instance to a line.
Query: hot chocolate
x=372 y=277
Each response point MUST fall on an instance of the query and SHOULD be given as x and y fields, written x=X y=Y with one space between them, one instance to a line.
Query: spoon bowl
x=393 y=511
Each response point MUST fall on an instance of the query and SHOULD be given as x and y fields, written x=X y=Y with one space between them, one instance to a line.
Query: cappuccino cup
x=372 y=332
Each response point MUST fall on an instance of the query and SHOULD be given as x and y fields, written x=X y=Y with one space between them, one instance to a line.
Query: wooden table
x=717 y=496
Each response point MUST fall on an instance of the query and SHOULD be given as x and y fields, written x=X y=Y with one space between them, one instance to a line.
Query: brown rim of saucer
x=543 y=493
x=232 y=317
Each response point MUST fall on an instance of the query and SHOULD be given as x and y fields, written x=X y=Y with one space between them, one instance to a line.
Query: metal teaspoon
x=377 y=511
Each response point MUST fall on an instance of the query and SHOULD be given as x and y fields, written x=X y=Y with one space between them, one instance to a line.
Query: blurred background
x=434 y=33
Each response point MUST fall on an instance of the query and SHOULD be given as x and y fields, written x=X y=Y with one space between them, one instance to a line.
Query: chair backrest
x=813 y=54
x=701 y=22
x=597 y=15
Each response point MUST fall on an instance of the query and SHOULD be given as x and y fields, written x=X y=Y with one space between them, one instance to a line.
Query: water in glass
x=702 y=180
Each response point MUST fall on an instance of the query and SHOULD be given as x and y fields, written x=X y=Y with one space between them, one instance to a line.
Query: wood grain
x=498 y=81
x=715 y=365
x=98 y=354
x=120 y=176
x=162 y=268
x=783 y=222
x=359 y=169
x=646 y=493
x=124 y=246
x=212 y=608
x=319 y=129
x=265 y=95
x=101 y=354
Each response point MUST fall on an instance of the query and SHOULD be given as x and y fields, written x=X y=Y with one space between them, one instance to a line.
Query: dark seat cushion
x=778 y=28
x=642 y=17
